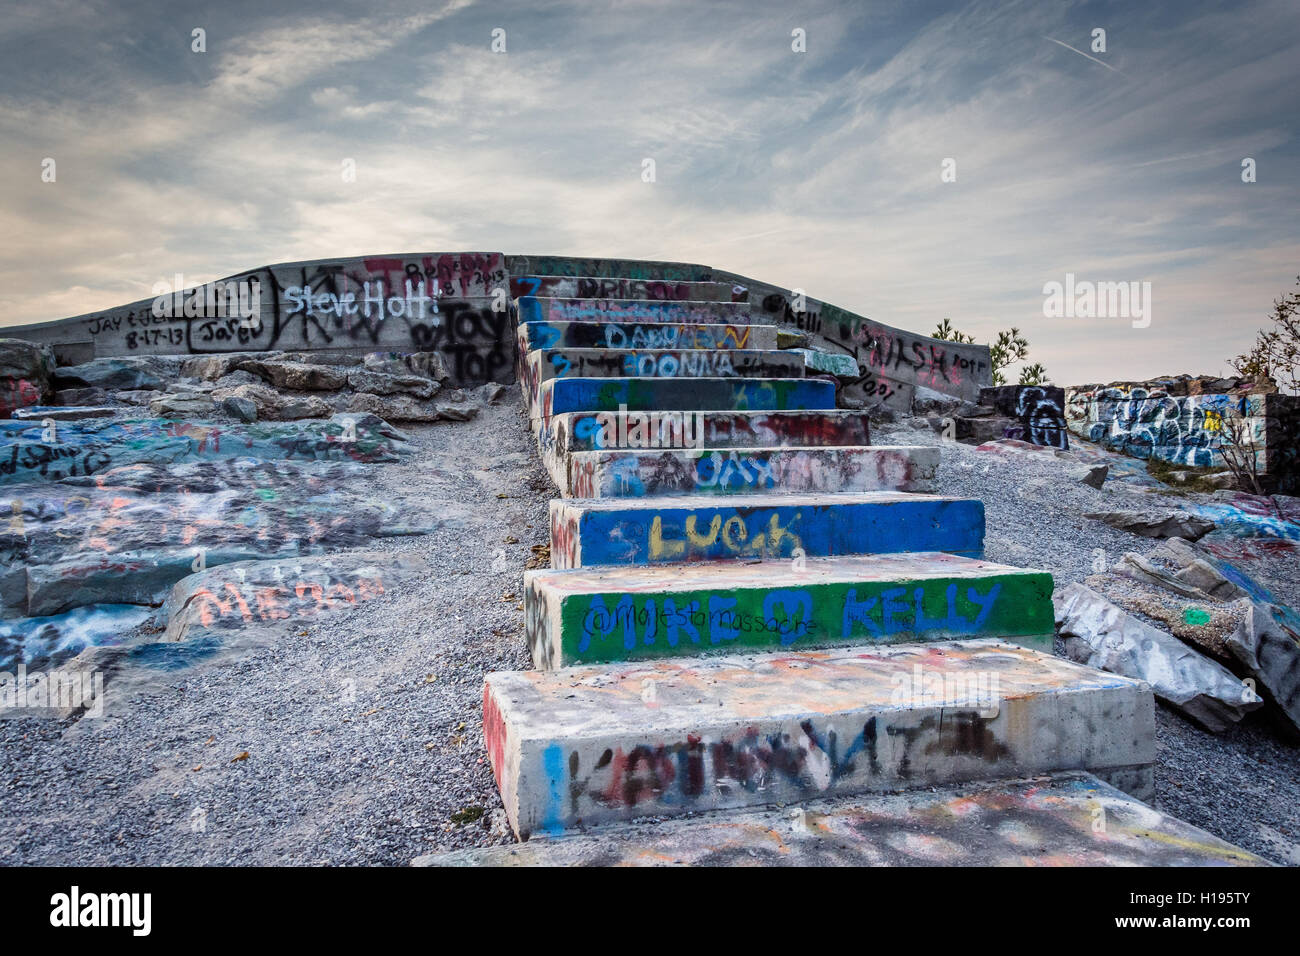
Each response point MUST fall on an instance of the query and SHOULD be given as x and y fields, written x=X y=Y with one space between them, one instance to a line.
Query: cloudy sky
x=819 y=170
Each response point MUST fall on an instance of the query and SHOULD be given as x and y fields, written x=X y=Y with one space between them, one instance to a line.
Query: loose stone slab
x=583 y=616
x=587 y=532
x=1042 y=821
x=590 y=745
x=642 y=473
x=630 y=311
x=642 y=335
x=830 y=363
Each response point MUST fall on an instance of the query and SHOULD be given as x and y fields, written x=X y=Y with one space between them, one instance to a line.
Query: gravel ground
x=362 y=732
x=1242 y=785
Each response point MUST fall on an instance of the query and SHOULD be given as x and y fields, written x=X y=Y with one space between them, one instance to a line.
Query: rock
x=267 y=400
x=212 y=368
x=1165 y=524
x=304 y=590
x=83 y=396
x=1206 y=578
x=273 y=406
x=292 y=409
x=183 y=404
x=138 y=396
x=1267 y=645
x=489 y=393
x=1100 y=634
x=1141 y=569
x=395 y=408
x=37 y=640
x=236 y=378
x=383 y=383
x=786 y=339
x=928 y=401
x=977 y=431
x=110 y=373
x=244 y=409
x=456 y=413
x=23 y=360
x=298 y=376
x=16 y=393
x=1220 y=479
x=1092 y=475
x=64 y=413
x=428 y=364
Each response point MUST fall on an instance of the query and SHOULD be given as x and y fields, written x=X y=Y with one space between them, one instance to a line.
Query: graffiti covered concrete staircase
x=750 y=604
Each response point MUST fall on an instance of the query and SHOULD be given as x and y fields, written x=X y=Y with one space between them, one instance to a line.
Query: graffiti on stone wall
x=891 y=362
x=1038 y=411
x=452 y=303
x=1149 y=422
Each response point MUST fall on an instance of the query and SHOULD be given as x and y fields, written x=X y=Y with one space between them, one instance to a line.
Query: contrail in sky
x=1081 y=53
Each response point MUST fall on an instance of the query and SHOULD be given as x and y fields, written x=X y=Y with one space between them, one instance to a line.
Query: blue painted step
x=696 y=394
x=588 y=532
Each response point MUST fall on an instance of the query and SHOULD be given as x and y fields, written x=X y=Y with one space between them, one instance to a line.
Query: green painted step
x=591 y=615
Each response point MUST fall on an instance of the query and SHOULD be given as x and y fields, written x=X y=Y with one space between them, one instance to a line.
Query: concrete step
x=615 y=531
x=632 y=311
x=1050 y=820
x=592 y=431
x=592 y=745
x=639 y=335
x=585 y=287
x=665 y=363
x=595 y=615
x=545 y=364
x=698 y=394
x=639 y=473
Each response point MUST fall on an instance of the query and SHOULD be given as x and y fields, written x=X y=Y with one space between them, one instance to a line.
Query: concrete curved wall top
x=389 y=302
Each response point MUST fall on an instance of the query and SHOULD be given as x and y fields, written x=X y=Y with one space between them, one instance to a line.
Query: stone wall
x=1180 y=420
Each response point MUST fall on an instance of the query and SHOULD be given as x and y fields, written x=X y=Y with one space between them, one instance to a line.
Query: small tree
x=947 y=333
x=1034 y=375
x=1240 y=449
x=1275 y=356
x=1007 y=349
